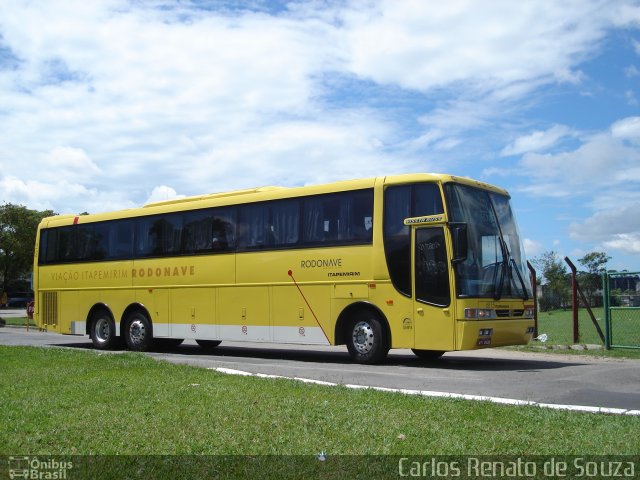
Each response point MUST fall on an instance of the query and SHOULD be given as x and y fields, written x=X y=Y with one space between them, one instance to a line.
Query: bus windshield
x=495 y=266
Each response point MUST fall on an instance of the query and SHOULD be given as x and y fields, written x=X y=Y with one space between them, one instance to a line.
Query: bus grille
x=49 y=310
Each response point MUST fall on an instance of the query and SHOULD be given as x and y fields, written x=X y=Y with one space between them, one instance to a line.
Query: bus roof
x=260 y=194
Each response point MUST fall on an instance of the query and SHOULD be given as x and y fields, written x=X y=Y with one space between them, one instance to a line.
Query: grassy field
x=58 y=401
x=18 y=321
x=558 y=325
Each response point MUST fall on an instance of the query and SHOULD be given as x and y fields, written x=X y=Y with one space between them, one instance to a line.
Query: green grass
x=64 y=402
x=18 y=321
x=558 y=325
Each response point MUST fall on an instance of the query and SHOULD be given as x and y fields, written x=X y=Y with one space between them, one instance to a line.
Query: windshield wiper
x=509 y=265
x=522 y=284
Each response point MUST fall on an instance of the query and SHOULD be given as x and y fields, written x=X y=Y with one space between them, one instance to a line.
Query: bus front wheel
x=103 y=331
x=367 y=341
x=137 y=333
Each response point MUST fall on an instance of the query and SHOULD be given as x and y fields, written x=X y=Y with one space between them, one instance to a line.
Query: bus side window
x=121 y=239
x=400 y=202
x=338 y=218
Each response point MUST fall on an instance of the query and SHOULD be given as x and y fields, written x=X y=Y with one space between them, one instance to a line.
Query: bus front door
x=433 y=315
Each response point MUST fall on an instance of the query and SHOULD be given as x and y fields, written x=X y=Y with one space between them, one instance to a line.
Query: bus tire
x=427 y=354
x=137 y=332
x=367 y=341
x=208 y=345
x=103 y=331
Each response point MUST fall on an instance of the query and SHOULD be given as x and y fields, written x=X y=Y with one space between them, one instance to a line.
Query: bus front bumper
x=474 y=334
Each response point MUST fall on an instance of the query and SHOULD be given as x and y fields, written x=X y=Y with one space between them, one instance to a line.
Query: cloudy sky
x=111 y=104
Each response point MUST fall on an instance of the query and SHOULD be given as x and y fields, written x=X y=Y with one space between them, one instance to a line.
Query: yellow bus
x=429 y=262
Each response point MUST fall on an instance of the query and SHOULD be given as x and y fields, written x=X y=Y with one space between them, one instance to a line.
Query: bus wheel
x=103 y=331
x=208 y=345
x=428 y=354
x=137 y=332
x=366 y=340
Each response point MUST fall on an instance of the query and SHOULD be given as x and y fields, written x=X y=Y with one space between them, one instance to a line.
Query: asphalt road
x=544 y=378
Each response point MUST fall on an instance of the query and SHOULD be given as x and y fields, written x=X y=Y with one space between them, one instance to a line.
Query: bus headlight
x=528 y=312
x=479 y=313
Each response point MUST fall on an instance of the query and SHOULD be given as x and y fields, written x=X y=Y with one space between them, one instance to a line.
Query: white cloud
x=162 y=193
x=68 y=162
x=603 y=160
x=627 y=129
x=422 y=45
x=60 y=196
x=602 y=173
x=626 y=242
x=532 y=247
x=537 y=141
x=617 y=228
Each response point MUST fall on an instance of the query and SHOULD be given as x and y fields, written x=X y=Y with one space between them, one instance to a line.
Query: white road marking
x=428 y=393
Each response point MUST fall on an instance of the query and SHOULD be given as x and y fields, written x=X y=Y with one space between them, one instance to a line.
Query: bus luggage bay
x=429 y=262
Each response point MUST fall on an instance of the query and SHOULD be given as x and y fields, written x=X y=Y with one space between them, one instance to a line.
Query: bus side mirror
x=460 y=242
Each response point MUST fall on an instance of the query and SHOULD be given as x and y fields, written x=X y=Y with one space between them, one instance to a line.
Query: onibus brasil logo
x=38 y=469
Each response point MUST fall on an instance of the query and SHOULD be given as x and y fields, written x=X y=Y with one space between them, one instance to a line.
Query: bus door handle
x=420 y=310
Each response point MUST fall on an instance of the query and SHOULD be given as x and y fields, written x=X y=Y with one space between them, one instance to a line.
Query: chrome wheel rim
x=137 y=332
x=103 y=330
x=363 y=337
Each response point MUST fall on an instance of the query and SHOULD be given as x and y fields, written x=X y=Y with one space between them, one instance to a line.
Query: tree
x=591 y=280
x=18 y=228
x=555 y=290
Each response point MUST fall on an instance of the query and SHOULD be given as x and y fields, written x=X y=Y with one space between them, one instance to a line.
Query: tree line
x=18 y=228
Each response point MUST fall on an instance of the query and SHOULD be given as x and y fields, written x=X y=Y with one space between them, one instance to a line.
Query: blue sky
x=111 y=104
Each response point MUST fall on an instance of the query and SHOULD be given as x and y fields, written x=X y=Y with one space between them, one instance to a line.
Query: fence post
x=534 y=288
x=574 y=300
x=607 y=312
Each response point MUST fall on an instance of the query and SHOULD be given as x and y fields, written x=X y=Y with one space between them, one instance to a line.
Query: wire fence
x=622 y=311
x=557 y=326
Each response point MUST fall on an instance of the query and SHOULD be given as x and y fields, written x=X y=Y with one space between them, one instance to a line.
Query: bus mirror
x=460 y=242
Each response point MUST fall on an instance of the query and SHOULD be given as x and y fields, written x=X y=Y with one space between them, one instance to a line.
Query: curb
x=428 y=393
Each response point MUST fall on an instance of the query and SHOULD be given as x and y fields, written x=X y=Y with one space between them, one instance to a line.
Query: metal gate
x=621 y=296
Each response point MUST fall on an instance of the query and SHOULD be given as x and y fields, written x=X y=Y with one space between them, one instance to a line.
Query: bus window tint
x=253 y=225
x=285 y=222
x=159 y=235
x=211 y=230
x=120 y=238
x=333 y=219
x=338 y=218
x=397 y=241
x=400 y=202
x=269 y=225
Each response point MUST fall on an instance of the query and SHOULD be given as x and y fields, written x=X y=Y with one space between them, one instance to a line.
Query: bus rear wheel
x=103 y=331
x=427 y=354
x=367 y=341
x=137 y=332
